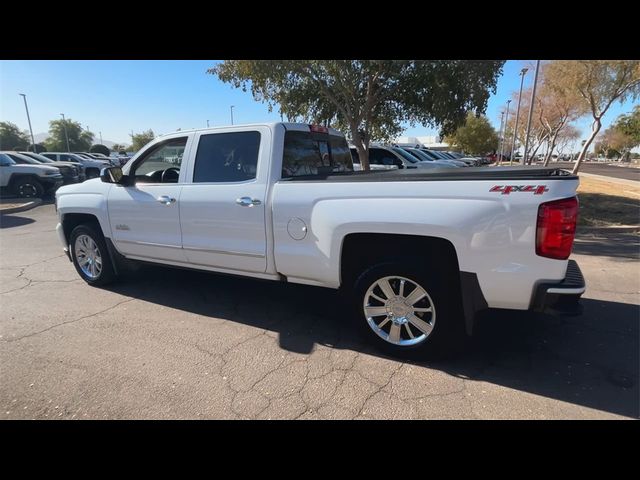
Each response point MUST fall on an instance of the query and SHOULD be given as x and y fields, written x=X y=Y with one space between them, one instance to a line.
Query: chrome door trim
x=223 y=252
x=150 y=244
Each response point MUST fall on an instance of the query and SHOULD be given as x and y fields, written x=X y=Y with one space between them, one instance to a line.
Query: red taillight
x=556 y=228
x=319 y=129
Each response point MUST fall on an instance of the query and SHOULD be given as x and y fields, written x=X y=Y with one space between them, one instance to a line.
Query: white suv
x=28 y=180
x=92 y=167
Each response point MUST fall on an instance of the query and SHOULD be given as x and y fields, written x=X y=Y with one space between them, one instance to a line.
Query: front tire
x=90 y=255
x=409 y=312
x=28 y=188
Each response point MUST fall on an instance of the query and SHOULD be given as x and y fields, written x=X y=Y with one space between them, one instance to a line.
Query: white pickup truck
x=419 y=253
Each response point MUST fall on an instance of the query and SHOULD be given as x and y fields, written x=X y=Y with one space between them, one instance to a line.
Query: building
x=432 y=142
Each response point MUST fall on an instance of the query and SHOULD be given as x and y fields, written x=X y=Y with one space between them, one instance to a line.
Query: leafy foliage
x=39 y=148
x=139 y=140
x=79 y=140
x=476 y=136
x=12 y=137
x=369 y=99
x=99 y=148
x=596 y=84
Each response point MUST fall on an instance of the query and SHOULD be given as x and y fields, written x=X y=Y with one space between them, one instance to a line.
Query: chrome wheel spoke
x=381 y=300
x=384 y=322
x=422 y=310
x=409 y=330
x=375 y=311
x=394 y=333
x=401 y=292
x=385 y=286
x=417 y=294
x=420 y=324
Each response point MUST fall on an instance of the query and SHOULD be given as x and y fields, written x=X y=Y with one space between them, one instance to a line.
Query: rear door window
x=227 y=157
x=307 y=153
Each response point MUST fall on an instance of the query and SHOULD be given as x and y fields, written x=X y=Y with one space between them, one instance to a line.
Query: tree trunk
x=363 y=150
x=595 y=128
x=552 y=145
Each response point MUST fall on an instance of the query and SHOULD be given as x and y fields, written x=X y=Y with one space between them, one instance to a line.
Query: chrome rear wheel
x=399 y=310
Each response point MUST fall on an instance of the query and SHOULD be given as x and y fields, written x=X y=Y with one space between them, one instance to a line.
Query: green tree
x=12 y=137
x=79 y=140
x=629 y=126
x=39 y=148
x=99 y=148
x=368 y=99
x=596 y=84
x=476 y=136
x=139 y=140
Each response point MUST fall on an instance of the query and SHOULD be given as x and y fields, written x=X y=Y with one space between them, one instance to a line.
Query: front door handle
x=247 y=201
x=166 y=200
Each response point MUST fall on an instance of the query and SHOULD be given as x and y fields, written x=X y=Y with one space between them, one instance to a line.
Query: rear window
x=307 y=153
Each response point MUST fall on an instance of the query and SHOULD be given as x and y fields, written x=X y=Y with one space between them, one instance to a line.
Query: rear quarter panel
x=493 y=234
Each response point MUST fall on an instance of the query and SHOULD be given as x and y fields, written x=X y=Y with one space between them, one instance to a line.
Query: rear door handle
x=247 y=201
x=166 y=200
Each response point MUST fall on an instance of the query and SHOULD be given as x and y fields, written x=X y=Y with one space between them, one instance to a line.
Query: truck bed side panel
x=493 y=234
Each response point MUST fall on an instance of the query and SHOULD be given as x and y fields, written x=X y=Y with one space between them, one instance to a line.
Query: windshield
x=406 y=155
x=22 y=158
x=422 y=156
x=40 y=158
x=5 y=160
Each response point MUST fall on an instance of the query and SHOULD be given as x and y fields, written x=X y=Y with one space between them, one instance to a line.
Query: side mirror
x=114 y=175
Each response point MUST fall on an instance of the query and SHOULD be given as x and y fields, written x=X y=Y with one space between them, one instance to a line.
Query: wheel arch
x=359 y=250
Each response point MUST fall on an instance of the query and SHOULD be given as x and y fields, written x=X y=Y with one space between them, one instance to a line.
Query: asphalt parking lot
x=178 y=344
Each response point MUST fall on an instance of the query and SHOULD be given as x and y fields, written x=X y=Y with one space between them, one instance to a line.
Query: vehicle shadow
x=591 y=360
x=10 y=221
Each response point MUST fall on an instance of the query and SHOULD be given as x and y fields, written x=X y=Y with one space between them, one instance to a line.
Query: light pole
x=100 y=133
x=232 y=114
x=64 y=124
x=533 y=97
x=207 y=123
x=523 y=72
x=498 y=159
x=33 y=140
x=506 y=123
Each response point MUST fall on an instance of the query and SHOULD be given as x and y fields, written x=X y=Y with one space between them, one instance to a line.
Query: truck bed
x=444 y=174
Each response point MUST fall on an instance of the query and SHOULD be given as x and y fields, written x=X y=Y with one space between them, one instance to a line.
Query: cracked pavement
x=167 y=343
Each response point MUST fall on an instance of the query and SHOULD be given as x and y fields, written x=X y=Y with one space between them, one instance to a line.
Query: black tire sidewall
x=107 y=274
x=447 y=326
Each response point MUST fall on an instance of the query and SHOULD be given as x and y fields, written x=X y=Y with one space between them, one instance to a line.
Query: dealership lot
x=178 y=344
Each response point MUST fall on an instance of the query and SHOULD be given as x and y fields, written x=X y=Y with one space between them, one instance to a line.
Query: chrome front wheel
x=88 y=256
x=399 y=310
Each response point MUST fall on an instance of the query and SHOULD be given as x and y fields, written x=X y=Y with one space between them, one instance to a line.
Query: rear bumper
x=561 y=298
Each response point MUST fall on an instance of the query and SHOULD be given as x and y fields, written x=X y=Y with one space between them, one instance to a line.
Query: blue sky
x=115 y=97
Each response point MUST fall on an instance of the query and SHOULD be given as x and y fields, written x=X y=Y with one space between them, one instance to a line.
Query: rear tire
x=430 y=327
x=90 y=255
x=27 y=187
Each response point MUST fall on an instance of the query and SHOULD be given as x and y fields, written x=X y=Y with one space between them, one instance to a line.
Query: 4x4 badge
x=507 y=189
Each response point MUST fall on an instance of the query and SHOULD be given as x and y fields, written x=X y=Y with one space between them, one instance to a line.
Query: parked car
x=68 y=171
x=96 y=156
x=27 y=180
x=470 y=161
x=92 y=167
x=424 y=156
x=391 y=158
x=416 y=254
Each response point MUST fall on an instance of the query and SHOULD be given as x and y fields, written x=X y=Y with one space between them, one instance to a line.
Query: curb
x=27 y=206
